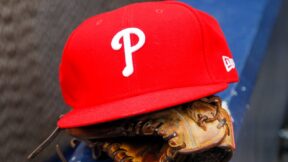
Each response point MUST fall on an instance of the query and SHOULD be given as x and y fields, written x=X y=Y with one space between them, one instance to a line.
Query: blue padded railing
x=247 y=25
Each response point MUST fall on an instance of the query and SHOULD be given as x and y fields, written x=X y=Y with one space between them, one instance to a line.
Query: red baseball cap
x=142 y=58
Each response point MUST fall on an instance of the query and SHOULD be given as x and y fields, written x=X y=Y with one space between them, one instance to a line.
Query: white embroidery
x=228 y=63
x=128 y=48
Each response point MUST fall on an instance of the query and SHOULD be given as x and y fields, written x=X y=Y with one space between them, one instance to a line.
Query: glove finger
x=134 y=150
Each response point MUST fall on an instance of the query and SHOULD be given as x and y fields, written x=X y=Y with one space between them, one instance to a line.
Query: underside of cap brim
x=141 y=104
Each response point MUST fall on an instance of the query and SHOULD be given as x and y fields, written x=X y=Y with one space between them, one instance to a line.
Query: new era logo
x=228 y=63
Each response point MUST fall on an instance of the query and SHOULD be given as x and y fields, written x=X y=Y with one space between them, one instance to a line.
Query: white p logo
x=128 y=48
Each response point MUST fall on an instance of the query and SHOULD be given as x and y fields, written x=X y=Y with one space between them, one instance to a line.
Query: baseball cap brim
x=141 y=104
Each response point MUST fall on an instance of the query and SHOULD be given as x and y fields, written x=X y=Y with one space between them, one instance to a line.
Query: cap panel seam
x=202 y=34
x=203 y=43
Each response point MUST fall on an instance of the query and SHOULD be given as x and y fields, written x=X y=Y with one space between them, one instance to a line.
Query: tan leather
x=191 y=128
x=144 y=150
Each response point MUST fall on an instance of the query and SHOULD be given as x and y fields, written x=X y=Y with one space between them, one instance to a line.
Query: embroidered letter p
x=128 y=48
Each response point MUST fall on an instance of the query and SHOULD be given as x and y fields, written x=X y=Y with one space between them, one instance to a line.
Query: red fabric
x=180 y=61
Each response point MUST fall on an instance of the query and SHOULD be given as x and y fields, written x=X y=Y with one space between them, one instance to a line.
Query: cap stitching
x=149 y=91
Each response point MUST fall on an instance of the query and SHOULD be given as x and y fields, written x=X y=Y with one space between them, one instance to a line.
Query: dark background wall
x=32 y=35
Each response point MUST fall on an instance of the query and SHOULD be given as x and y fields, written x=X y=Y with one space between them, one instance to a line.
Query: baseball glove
x=200 y=131
x=140 y=150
